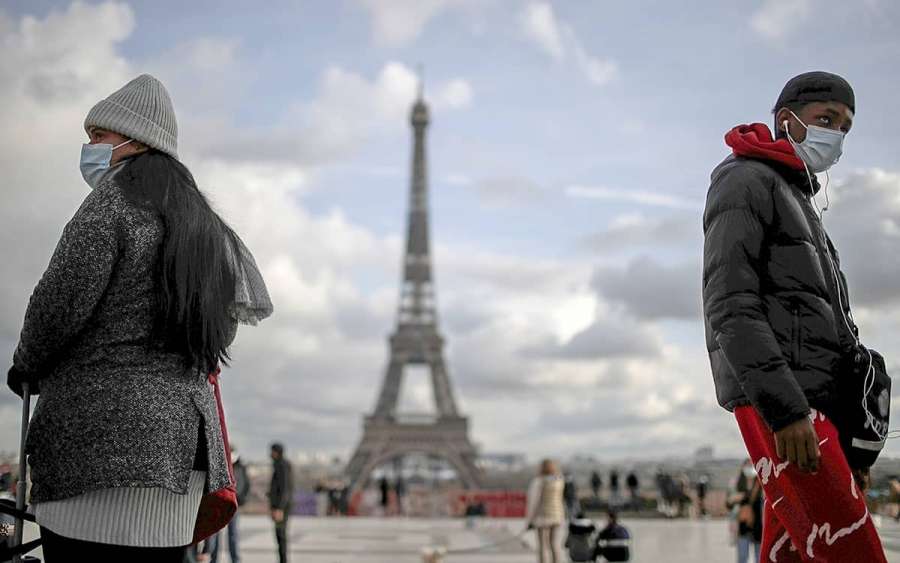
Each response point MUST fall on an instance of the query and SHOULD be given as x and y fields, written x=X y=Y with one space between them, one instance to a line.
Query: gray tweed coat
x=112 y=411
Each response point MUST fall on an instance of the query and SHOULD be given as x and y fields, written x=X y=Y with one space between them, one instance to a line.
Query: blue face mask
x=95 y=161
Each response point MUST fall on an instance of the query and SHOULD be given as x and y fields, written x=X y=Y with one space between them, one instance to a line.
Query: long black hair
x=193 y=270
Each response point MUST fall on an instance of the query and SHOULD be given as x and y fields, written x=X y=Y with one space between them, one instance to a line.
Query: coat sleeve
x=739 y=207
x=69 y=291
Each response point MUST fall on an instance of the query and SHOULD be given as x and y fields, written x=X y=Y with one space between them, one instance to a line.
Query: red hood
x=755 y=141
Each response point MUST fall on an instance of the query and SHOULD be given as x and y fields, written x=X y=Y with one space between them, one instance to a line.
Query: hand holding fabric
x=798 y=444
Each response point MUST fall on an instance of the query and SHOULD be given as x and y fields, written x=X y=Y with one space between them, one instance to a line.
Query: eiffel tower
x=416 y=342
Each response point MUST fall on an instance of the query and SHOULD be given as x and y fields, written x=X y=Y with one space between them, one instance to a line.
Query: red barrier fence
x=498 y=504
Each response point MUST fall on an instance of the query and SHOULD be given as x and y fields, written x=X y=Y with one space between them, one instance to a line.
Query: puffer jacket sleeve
x=69 y=291
x=739 y=206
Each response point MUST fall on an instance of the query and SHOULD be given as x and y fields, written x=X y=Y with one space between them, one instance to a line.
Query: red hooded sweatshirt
x=755 y=141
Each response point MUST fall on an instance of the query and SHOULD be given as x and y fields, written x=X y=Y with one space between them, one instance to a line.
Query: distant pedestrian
x=344 y=508
x=545 y=510
x=335 y=497
x=748 y=502
x=322 y=497
x=615 y=500
x=682 y=499
x=385 y=495
x=570 y=496
x=702 y=487
x=242 y=488
x=6 y=479
x=281 y=498
x=400 y=491
x=596 y=483
x=633 y=484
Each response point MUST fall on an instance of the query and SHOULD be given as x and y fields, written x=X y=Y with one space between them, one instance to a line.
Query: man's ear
x=782 y=115
x=139 y=146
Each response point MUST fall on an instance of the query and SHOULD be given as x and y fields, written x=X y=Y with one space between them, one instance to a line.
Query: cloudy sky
x=569 y=157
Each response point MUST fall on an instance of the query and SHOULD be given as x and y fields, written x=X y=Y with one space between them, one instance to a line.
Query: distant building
x=503 y=462
x=704 y=453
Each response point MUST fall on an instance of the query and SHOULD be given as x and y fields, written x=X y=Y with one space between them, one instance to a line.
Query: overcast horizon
x=569 y=154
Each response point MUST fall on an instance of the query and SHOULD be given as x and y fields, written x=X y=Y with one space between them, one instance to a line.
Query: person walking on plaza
x=632 y=482
x=242 y=489
x=400 y=491
x=123 y=338
x=747 y=500
x=385 y=487
x=281 y=498
x=615 y=499
x=545 y=511
x=778 y=322
x=596 y=483
x=702 y=489
x=570 y=496
x=322 y=496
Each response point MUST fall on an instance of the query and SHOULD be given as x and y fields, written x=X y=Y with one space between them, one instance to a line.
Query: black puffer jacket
x=772 y=293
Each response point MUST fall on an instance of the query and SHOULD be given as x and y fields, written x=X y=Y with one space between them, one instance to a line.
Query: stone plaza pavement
x=395 y=540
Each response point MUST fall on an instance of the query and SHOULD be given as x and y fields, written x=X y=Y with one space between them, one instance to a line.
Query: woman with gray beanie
x=137 y=308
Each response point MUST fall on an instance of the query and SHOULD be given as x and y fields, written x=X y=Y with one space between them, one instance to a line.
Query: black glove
x=15 y=379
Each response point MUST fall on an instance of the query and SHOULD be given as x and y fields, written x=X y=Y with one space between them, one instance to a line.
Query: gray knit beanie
x=140 y=110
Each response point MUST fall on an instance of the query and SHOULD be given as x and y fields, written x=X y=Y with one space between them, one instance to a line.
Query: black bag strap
x=7 y=553
x=754 y=493
x=8 y=507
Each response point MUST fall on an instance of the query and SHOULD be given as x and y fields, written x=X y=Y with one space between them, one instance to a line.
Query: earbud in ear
x=784 y=124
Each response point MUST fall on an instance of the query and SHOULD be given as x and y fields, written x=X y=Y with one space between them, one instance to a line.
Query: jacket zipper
x=795 y=337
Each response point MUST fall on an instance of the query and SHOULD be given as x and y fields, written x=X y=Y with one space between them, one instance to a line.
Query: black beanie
x=816 y=87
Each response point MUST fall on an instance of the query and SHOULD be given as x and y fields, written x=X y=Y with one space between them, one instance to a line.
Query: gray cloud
x=650 y=290
x=512 y=189
x=864 y=222
x=628 y=232
x=605 y=338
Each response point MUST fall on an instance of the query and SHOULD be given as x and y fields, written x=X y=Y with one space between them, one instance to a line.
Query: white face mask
x=820 y=149
x=749 y=472
x=95 y=161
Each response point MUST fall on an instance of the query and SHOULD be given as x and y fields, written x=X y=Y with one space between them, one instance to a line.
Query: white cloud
x=456 y=94
x=864 y=221
x=627 y=232
x=540 y=25
x=598 y=71
x=348 y=108
x=559 y=40
x=400 y=22
x=386 y=99
x=631 y=196
x=776 y=17
x=209 y=53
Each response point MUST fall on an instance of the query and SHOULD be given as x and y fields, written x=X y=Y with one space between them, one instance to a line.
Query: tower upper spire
x=420 y=92
x=417 y=303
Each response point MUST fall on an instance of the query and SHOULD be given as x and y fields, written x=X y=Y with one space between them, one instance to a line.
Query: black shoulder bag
x=865 y=406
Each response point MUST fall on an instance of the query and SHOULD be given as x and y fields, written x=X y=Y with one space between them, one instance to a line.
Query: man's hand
x=277 y=514
x=798 y=443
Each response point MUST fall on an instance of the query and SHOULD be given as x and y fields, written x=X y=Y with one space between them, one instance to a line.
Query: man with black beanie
x=778 y=322
x=281 y=494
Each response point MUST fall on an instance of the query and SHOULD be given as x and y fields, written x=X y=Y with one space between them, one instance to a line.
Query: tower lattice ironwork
x=416 y=342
